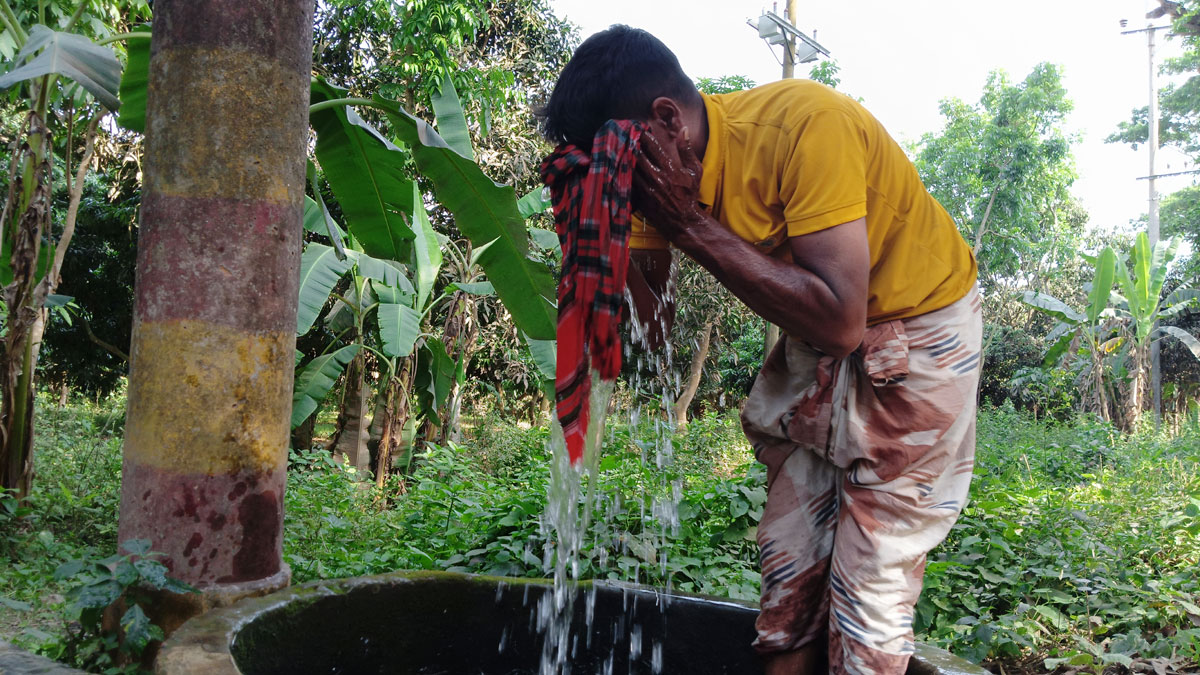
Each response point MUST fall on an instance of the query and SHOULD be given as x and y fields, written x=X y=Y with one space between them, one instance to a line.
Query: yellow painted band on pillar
x=208 y=399
x=222 y=90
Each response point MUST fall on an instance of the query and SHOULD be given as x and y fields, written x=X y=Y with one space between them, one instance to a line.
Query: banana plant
x=1117 y=326
x=62 y=72
x=1089 y=329
x=1141 y=304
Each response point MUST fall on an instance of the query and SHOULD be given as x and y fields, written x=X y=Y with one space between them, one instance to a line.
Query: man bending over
x=796 y=199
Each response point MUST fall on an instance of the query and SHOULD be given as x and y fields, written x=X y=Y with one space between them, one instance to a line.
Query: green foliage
x=738 y=364
x=826 y=71
x=1142 y=287
x=725 y=84
x=58 y=572
x=487 y=214
x=1003 y=170
x=476 y=508
x=134 y=81
x=1180 y=217
x=1006 y=351
x=99 y=274
x=95 y=585
x=368 y=175
x=50 y=52
x=1179 y=125
x=1079 y=542
x=316 y=378
x=1079 y=545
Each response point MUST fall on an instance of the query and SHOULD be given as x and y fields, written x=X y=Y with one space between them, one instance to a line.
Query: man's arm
x=820 y=297
x=649 y=284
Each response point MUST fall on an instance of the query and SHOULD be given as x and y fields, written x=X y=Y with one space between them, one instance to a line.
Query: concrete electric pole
x=797 y=48
x=1152 y=223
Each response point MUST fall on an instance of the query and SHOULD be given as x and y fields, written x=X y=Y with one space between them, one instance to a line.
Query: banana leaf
x=434 y=377
x=399 y=328
x=487 y=214
x=1183 y=336
x=451 y=122
x=387 y=272
x=1102 y=283
x=366 y=173
x=1052 y=306
x=427 y=251
x=134 y=81
x=534 y=202
x=320 y=270
x=73 y=56
x=314 y=381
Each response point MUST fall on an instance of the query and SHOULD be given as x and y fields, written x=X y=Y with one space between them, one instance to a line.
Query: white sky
x=902 y=58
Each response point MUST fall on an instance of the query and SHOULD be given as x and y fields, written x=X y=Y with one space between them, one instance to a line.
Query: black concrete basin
x=436 y=622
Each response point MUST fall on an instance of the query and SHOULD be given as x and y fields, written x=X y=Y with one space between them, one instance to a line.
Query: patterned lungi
x=869 y=459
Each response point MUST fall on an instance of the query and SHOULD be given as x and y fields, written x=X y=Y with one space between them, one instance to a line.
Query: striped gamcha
x=590 y=193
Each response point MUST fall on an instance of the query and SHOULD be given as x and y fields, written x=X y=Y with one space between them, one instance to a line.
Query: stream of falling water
x=578 y=514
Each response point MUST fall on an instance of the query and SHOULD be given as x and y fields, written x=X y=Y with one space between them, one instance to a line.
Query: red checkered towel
x=590 y=195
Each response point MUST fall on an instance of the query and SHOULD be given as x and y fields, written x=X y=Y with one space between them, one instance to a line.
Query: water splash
x=564 y=530
x=579 y=516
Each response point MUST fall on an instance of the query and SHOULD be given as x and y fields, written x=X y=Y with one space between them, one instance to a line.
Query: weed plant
x=1078 y=551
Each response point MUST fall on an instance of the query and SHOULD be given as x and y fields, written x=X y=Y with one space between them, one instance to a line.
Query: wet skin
x=819 y=297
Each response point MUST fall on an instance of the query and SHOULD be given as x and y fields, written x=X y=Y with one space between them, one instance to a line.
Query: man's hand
x=666 y=182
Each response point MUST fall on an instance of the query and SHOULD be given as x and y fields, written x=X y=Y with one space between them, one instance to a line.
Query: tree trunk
x=352 y=418
x=302 y=436
x=1137 y=385
x=26 y=295
x=30 y=204
x=695 y=370
x=770 y=338
x=460 y=336
x=393 y=416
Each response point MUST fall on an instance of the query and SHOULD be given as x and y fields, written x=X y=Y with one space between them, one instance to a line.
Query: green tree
x=1003 y=169
x=67 y=83
x=1179 y=127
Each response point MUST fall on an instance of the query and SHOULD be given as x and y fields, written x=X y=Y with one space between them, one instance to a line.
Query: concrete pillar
x=211 y=360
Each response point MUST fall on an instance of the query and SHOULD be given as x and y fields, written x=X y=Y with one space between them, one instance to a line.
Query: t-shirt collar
x=710 y=180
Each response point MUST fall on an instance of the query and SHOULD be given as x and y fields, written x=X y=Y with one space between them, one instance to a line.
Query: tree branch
x=76 y=191
x=111 y=349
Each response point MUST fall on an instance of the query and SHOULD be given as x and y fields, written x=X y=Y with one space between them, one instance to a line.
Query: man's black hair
x=615 y=74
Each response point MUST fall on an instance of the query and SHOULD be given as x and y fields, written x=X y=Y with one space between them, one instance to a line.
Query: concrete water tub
x=457 y=624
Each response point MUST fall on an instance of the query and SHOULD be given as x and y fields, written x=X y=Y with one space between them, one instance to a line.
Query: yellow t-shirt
x=795 y=157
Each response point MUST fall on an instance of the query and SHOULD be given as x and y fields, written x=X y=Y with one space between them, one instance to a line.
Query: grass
x=1078 y=551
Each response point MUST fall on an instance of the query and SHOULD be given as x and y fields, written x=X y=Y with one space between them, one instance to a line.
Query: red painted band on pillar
x=220 y=529
x=185 y=243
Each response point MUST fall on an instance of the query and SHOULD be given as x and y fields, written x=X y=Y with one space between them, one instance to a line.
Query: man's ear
x=667 y=111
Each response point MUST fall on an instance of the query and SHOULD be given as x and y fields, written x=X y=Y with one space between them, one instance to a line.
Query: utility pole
x=789 y=47
x=1152 y=218
x=797 y=48
x=1152 y=224
x=789 y=72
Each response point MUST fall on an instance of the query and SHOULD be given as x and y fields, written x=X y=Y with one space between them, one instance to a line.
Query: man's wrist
x=694 y=236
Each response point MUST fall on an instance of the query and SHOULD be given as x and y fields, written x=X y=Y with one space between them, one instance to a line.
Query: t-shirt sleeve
x=824 y=177
x=644 y=237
